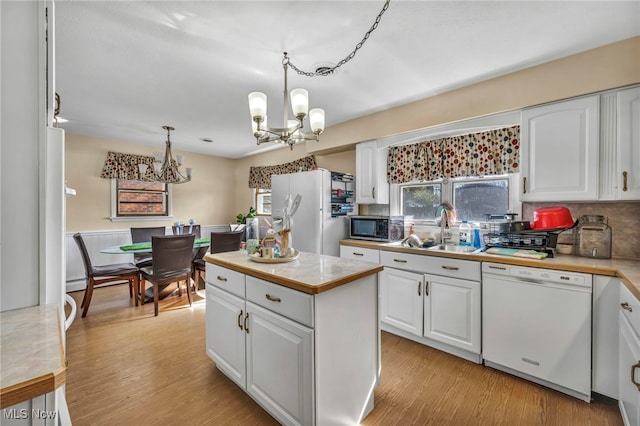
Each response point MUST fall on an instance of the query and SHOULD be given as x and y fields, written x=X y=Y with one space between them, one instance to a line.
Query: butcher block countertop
x=310 y=273
x=32 y=355
x=628 y=270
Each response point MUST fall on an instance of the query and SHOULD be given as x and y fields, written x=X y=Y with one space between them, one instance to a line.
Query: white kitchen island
x=301 y=338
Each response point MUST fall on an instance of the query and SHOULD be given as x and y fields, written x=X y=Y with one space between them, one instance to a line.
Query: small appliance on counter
x=593 y=237
x=376 y=228
x=540 y=235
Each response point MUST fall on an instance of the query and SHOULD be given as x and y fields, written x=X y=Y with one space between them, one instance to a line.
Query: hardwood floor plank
x=128 y=367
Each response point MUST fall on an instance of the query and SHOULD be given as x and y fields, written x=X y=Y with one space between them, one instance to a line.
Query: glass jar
x=593 y=237
x=252 y=231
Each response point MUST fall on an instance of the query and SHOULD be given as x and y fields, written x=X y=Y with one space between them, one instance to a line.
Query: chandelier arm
x=285 y=61
x=329 y=70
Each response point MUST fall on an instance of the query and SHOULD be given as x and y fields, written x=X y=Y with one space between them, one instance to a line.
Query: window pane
x=420 y=201
x=263 y=202
x=138 y=184
x=137 y=198
x=473 y=200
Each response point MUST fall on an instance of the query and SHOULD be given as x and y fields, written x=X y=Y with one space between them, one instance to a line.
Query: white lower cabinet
x=267 y=355
x=629 y=358
x=280 y=365
x=422 y=304
x=604 y=335
x=226 y=342
x=307 y=359
x=401 y=300
x=452 y=311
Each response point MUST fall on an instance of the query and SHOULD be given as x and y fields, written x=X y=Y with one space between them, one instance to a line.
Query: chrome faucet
x=444 y=224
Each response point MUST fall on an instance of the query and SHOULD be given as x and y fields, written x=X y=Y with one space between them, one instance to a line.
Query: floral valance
x=260 y=177
x=119 y=165
x=478 y=154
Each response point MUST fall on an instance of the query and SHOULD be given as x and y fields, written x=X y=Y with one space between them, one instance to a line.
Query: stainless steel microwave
x=376 y=228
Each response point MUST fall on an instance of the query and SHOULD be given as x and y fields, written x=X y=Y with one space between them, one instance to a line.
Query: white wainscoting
x=97 y=240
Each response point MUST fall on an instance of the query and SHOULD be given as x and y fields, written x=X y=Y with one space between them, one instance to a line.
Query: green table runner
x=144 y=246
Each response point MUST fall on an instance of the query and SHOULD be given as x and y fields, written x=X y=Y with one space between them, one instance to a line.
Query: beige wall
x=339 y=162
x=217 y=180
x=205 y=198
x=607 y=67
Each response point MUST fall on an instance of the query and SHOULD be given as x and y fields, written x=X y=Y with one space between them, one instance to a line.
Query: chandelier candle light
x=166 y=169
x=292 y=132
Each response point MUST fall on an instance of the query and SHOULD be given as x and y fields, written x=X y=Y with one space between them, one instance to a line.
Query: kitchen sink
x=451 y=248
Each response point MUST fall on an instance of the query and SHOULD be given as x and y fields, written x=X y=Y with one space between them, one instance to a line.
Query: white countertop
x=310 y=273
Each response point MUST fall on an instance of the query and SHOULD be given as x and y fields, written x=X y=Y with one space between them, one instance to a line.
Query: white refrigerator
x=313 y=229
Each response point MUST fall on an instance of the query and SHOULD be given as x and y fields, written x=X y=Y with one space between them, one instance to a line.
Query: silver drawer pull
x=273 y=299
x=530 y=361
x=626 y=307
x=400 y=260
x=221 y=278
x=358 y=254
x=450 y=268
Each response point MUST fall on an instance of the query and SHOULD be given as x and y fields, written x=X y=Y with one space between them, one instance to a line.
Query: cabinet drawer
x=454 y=268
x=290 y=303
x=359 y=253
x=226 y=279
x=630 y=308
x=409 y=262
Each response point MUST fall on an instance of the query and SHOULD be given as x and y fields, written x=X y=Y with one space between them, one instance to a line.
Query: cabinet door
x=604 y=347
x=629 y=361
x=560 y=151
x=628 y=179
x=225 y=336
x=401 y=299
x=366 y=168
x=280 y=366
x=371 y=174
x=452 y=312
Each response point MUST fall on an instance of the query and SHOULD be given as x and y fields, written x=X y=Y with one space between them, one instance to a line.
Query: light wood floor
x=127 y=367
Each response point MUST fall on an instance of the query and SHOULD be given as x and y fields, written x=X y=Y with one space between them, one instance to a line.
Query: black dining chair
x=97 y=275
x=220 y=242
x=171 y=262
x=143 y=235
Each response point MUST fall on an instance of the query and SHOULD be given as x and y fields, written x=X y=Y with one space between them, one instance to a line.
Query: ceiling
x=124 y=69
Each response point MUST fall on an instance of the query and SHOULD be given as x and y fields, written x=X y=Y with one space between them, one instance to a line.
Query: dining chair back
x=97 y=275
x=225 y=241
x=186 y=229
x=171 y=262
x=143 y=235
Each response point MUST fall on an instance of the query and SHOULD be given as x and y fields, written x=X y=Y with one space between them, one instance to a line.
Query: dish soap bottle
x=465 y=234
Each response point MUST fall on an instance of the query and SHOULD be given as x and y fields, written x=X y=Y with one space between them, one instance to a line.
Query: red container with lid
x=548 y=218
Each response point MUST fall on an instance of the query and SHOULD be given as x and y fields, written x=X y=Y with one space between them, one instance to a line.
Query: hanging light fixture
x=166 y=169
x=291 y=132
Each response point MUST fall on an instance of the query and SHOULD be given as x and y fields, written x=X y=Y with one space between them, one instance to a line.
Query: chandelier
x=291 y=132
x=166 y=169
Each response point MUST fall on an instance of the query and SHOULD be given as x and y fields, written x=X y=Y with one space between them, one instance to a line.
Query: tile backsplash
x=623 y=218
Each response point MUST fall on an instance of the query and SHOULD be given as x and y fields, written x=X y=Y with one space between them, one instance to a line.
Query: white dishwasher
x=536 y=324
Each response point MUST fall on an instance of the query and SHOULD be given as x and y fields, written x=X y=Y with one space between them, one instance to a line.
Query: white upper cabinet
x=560 y=150
x=627 y=181
x=371 y=174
